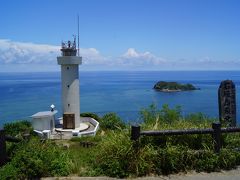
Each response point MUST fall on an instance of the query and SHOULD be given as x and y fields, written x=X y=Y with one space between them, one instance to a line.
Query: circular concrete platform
x=82 y=127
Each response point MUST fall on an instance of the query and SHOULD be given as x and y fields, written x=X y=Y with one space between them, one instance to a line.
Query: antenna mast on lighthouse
x=78 y=35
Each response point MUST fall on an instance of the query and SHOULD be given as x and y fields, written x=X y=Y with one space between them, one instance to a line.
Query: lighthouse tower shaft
x=70 y=80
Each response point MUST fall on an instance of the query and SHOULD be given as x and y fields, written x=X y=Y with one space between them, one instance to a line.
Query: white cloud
x=16 y=53
x=92 y=56
x=132 y=57
x=131 y=53
x=26 y=53
x=21 y=56
x=29 y=53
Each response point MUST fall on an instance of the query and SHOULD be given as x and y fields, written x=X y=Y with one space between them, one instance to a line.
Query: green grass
x=82 y=159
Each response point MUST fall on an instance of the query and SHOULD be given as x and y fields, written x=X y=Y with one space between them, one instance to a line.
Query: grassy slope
x=114 y=155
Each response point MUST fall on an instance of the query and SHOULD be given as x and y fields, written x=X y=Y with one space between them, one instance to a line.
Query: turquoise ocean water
x=23 y=94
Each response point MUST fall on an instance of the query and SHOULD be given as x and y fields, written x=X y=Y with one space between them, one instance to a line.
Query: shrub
x=195 y=142
x=116 y=157
x=186 y=152
x=231 y=140
x=206 y=160
x=174 y=159
x=228 y=159
x=197 y=118
x=150 y=114
x=18 y=128
x=170 y=159
x=153 y=115
x=113 y=156
x=170 y=115
x=92 y=115
x=86 y=138
x=142 y=161
x=82 y=160
x=9 y=172
x=111 y=121
x=167 y=119
x=35 y=159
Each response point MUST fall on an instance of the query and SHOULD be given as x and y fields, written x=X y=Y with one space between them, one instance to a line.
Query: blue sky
x=122 y=34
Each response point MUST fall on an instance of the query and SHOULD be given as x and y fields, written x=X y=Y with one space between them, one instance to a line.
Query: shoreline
x=171 y=91
x=168 y=90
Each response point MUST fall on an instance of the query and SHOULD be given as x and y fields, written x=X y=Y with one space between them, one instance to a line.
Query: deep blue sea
x=23 y=94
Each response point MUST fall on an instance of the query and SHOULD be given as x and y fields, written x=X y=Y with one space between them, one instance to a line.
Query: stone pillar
x=227 y=103
x=3 y=153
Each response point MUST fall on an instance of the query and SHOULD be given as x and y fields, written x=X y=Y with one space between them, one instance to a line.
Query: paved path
x=223 y=175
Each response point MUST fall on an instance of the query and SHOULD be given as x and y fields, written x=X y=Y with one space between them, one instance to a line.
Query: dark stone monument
x=227 y=103
x=3 y=154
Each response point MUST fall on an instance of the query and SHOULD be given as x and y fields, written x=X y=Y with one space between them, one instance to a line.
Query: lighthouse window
x=68 y=105
x=68 y=86
x=67 y=68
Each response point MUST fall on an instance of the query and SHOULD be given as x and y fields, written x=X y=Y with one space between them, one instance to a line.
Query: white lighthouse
x=69 y=62
x=72 y=125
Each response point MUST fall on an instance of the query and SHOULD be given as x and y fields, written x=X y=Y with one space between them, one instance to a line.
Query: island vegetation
x=112 y=152
x=173 y=87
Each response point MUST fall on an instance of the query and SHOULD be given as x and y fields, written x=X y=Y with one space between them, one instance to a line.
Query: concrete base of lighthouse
x=87 y=127
x=82 y=127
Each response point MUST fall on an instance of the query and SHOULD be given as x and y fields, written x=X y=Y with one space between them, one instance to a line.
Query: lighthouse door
x=68 y=121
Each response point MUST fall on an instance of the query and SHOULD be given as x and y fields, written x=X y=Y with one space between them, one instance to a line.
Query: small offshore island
x=164 y=86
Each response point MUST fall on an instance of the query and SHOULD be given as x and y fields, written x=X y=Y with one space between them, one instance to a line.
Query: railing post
x=135 y=135
x=3 y=154
x=216 y=136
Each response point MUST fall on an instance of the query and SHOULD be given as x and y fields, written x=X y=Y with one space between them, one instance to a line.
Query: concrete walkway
x=223 y=175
